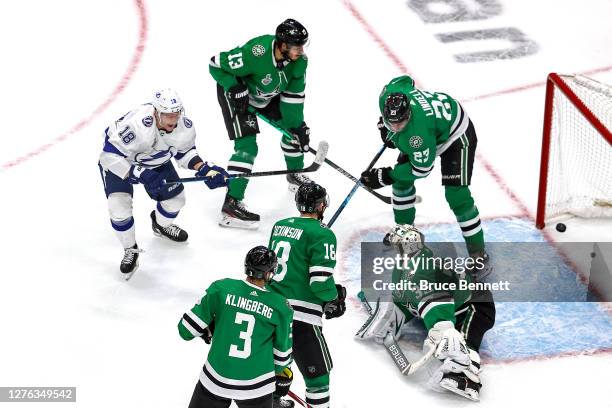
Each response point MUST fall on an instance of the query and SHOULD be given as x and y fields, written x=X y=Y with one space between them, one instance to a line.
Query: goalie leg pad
x=386 y=318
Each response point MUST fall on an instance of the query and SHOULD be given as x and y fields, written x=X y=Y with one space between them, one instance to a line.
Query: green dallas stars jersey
x=437 y=121
x=306 y=252
x=255 y=66
x=251 y=341
x=432 y=304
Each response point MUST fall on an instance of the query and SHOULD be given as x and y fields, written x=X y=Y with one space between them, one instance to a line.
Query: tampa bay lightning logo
x=188 y=123
x=147 y=121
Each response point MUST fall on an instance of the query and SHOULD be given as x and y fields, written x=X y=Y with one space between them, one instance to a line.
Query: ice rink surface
x=72 y=67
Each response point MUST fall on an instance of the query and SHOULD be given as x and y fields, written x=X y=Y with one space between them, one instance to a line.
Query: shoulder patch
x=188 y=123
x=258 y=50
x=147 y=121
x=415 y=141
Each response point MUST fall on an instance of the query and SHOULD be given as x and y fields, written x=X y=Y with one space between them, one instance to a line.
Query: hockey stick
x=333 y=165
x=318 y=160
x=405 y=366
x=354 y=189
x=297 y=399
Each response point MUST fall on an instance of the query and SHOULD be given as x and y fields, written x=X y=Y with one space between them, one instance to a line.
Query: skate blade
x=127 y=276
x=450 y=386
x=231 y=222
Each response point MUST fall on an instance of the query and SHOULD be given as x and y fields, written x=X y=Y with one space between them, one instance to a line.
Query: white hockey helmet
x=406 y=237
x=167 y=101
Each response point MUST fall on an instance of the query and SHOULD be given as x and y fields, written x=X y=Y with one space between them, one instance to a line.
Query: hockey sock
x=461 y=202
x=245 y=151
x=293 y=157
x=317 y=391
x=404 y=197
x=125 y=231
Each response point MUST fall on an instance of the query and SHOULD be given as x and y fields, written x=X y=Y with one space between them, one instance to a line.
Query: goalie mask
x=406 y=238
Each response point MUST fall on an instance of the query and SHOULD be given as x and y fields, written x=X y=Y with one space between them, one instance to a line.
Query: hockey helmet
x=291 y=32
x=396 y=111
x=167 y=101
x=260 y=263
x=309 y=196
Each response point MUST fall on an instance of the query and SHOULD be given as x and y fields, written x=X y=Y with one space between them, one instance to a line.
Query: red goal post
x=576 y=157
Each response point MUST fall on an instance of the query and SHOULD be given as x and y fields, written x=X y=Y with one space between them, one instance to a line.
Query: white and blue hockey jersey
x=134 y=139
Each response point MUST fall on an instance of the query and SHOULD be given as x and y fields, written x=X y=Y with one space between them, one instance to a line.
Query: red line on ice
x=125 y=80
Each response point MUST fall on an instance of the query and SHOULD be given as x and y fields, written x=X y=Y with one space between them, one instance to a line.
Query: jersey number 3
x=234 y=351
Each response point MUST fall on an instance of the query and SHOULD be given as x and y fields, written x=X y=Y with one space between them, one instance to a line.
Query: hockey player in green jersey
x=423 y=125
x=306 y=251
x=250 y=330
x=456 y=319
x=267 y=75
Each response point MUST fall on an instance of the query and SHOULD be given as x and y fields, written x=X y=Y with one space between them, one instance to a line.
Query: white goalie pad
x=385 y=318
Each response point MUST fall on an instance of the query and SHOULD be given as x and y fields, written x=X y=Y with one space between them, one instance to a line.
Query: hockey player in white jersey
x=137 y=150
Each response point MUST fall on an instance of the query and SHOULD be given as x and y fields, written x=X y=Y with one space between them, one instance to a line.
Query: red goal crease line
x=119 y=88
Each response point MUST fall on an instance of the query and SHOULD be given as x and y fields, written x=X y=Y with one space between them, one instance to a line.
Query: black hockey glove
x=336 y=307
x=376 y=178
x=283 y=382
x=384 y=133
x=238 y=96
x=301 y=135
x=208 y=333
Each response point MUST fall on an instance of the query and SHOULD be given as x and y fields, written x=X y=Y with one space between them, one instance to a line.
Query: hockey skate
x=129 y=263
x=234 y=214
x=295 y=180
x=461 y=384
x=172 y=232
x=282 y=403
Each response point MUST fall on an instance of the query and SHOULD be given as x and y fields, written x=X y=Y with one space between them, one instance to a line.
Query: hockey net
x=576 y=159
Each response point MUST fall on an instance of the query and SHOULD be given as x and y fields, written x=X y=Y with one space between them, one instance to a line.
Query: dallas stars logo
x=250 y=123
x=415 y=141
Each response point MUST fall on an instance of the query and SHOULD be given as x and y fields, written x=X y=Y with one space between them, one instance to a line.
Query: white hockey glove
x=385 y=318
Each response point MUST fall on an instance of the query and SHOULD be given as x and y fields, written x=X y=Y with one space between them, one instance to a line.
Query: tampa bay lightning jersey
x=134 y=139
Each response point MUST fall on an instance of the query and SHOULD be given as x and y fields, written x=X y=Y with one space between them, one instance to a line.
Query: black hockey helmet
x=260 y=263
x=396 y=109
x=309 y=196
x=291 y=32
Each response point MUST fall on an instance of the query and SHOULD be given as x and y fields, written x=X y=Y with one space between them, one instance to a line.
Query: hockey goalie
x=456 y=320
